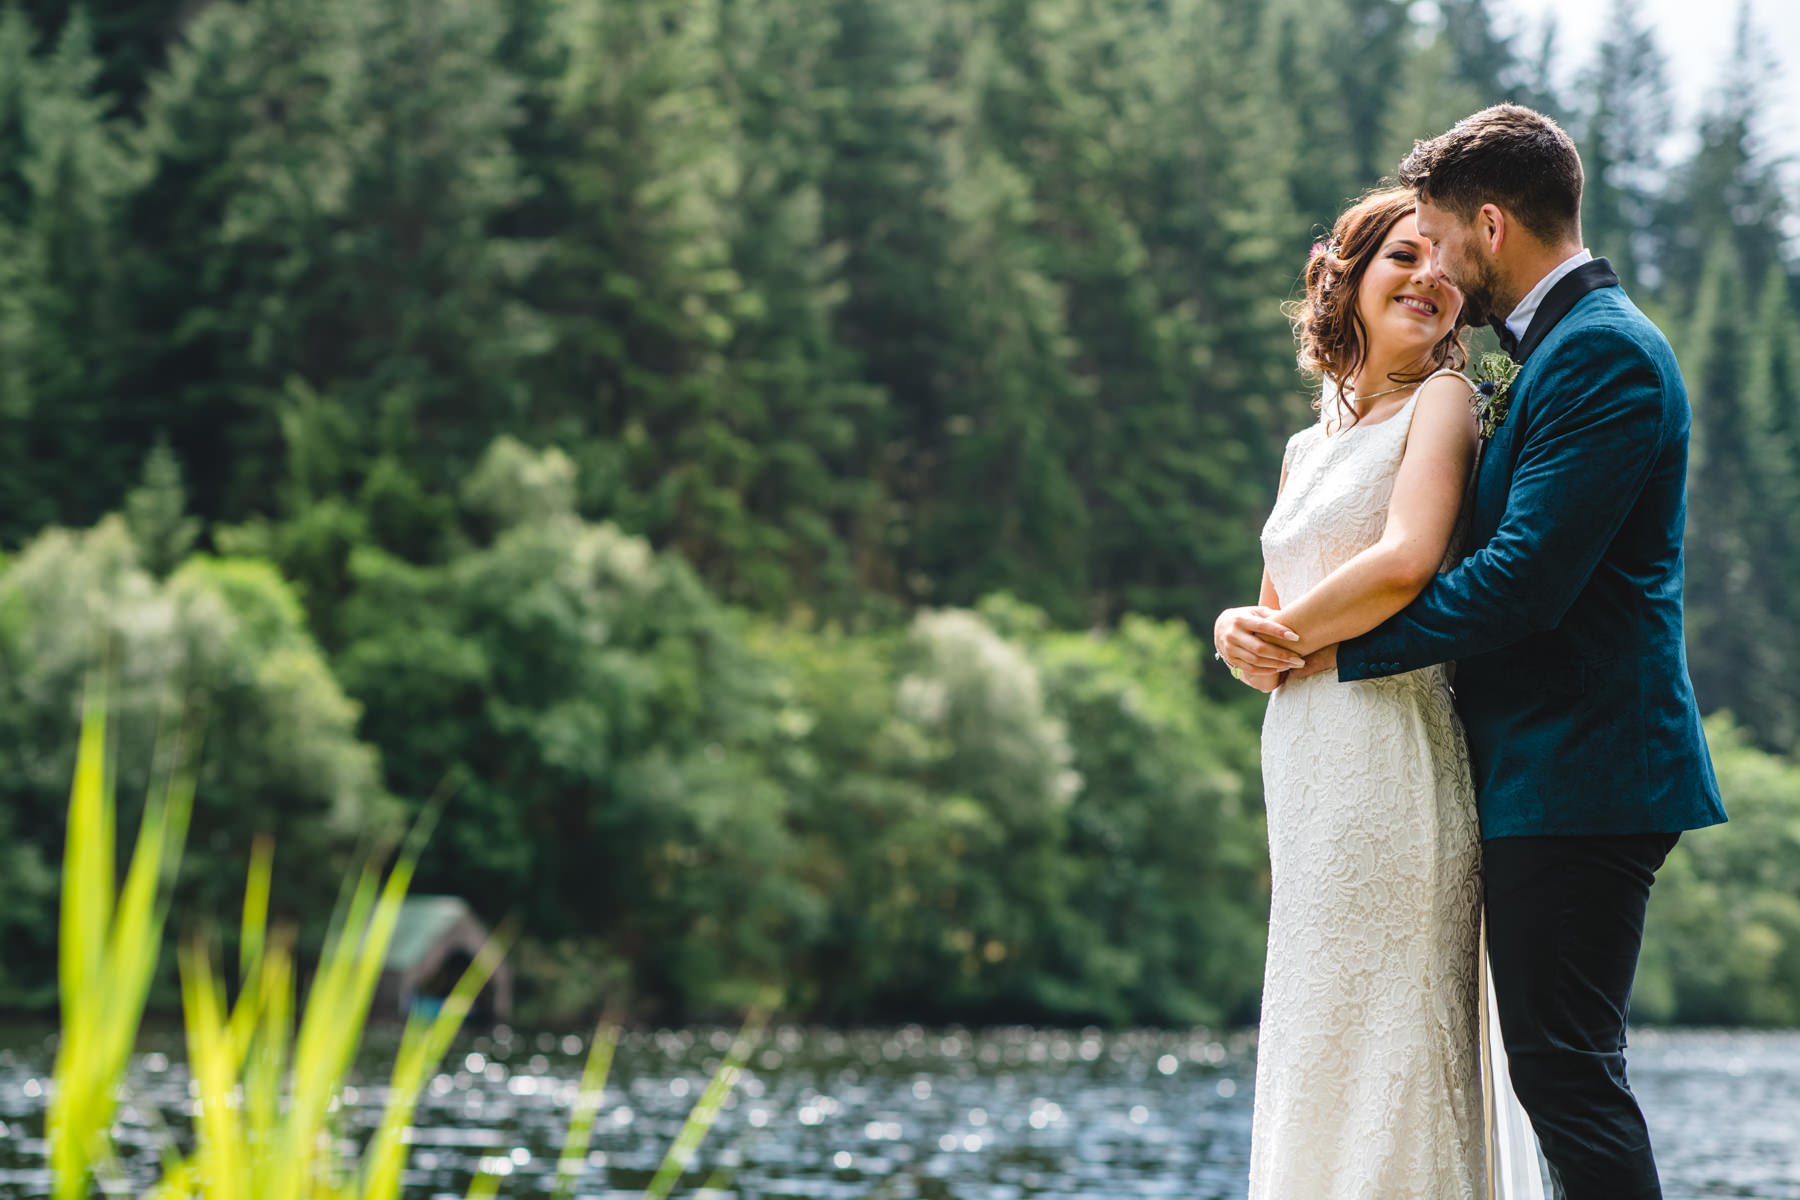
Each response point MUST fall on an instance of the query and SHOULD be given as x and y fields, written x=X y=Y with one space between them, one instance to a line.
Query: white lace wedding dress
x=1369 y=1075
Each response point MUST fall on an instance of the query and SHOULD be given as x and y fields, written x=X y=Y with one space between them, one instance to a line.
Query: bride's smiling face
x=1405 y=305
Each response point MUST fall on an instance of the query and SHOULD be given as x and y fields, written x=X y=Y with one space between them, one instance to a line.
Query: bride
x=1370 y=1079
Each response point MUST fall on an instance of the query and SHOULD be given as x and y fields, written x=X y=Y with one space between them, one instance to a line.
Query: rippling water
x=916 y=1113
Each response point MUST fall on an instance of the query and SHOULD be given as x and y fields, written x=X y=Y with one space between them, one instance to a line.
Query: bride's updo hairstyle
x=1333 y=341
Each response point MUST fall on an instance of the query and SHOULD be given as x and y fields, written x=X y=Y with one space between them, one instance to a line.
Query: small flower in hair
x=1331 y=248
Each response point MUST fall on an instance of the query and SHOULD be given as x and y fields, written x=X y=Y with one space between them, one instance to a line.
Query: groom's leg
x=1565 y=920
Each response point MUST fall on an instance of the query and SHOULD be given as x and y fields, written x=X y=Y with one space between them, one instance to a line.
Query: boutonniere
x=1492 y=377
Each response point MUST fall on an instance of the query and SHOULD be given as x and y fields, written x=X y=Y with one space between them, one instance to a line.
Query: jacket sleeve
x=1592 y=440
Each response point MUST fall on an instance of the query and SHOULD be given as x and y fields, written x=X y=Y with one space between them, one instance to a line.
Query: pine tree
x=26 y=504
x=1437 y=90
x=805 y=501
x=326 y=178
x=1301 y=39
x=1484 y=60
x=1726 y=616
x=18 y=43
x=951 y=312
x=1537 y=86
x=1362 y=46
x=1729 y=187
x=1071 y=105
x=1771 y=402
x=1625 y=117
x=1217 y=199
x=203 y=268
x=640 y=286
x=64 y=172
x=1003 y=511
x=130 y=37
x=884 y=177
x=156 y=513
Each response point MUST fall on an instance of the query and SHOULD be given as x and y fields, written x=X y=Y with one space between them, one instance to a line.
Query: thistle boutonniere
x=1492 y=378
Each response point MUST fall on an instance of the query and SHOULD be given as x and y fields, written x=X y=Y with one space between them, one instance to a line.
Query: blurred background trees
x=773 y=465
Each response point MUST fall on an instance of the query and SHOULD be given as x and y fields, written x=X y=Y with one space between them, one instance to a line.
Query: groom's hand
x=1265 y=681
x=1320 y=660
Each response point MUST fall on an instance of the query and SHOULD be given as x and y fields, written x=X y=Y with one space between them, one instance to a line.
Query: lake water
x=912 y=1112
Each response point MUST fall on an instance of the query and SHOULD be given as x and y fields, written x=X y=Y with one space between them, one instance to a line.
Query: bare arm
x=1428 y=493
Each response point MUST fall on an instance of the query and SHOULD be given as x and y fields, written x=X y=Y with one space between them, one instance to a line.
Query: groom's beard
x=1480 y=282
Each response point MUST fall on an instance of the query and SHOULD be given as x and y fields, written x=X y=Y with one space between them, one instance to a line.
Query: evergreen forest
x=767 y=469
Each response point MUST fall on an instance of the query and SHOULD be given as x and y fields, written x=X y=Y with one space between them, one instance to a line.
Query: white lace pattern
x=1368 y=1075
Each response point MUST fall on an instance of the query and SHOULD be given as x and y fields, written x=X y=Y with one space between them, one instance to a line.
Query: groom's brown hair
x=1507 y=155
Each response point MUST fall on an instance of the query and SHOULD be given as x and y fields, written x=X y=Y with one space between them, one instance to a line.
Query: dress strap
x=1448 y=371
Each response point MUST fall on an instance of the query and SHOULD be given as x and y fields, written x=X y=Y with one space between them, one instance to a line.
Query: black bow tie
x=1508 y=342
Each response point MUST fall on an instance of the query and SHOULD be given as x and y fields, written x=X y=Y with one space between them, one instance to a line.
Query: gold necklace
x=1371 y=396
x=1379 y=395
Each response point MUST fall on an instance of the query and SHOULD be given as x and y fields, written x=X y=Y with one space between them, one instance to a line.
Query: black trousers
x=1565 y=921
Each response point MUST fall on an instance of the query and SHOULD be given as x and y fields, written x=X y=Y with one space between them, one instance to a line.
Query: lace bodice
x=1335 y=502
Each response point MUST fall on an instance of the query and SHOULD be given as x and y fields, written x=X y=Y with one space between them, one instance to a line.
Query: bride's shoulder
x=1447 y=381
x=1448 y=386
x=1445 y=400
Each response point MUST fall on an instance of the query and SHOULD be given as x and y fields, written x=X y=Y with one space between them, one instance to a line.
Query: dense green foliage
x=1723 y=945
x=227 y=635
x=762 y=462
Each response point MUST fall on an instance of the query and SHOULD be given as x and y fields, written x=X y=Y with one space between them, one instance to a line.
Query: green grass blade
x=73 y=1121
x=266 y=1066
x=219 y=1142
x=87 y=865
x=254 y=927
x=135 y=942
x=108 y=949
x=587 y=1107
x=700 y=1121
x=338 y=1006
x=422 y=1048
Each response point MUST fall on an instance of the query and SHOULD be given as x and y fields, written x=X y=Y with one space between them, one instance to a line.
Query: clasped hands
x=1261 y=650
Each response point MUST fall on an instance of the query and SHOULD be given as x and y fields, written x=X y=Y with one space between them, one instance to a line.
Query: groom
x=1565 y=623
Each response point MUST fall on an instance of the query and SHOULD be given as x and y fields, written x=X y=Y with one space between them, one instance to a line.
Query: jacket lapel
x=1588 y=277
x=1493 y=473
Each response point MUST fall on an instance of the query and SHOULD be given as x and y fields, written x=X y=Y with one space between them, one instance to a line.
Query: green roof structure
x=434 y=938
x=424 y=922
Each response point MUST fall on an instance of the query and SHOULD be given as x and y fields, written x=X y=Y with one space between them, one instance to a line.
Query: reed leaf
x=704 y=1113
x=423 y=1045
x=253 y=928
x=109 y=942
x=587 y=1107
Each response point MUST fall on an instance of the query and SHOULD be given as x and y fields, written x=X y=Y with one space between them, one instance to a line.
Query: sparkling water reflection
x=910 y=1112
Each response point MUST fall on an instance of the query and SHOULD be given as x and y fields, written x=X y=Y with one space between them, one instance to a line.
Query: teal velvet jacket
x=1565 y=620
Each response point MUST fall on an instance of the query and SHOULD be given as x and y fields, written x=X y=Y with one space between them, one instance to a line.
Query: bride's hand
x=1247 y=639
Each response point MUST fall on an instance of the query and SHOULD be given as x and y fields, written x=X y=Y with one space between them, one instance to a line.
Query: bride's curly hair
x=1333 y=341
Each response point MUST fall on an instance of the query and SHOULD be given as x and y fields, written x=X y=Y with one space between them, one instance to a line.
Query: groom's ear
x=1492 y=224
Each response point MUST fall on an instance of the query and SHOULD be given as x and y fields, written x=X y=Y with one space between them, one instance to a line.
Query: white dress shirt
x=1520 y=320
